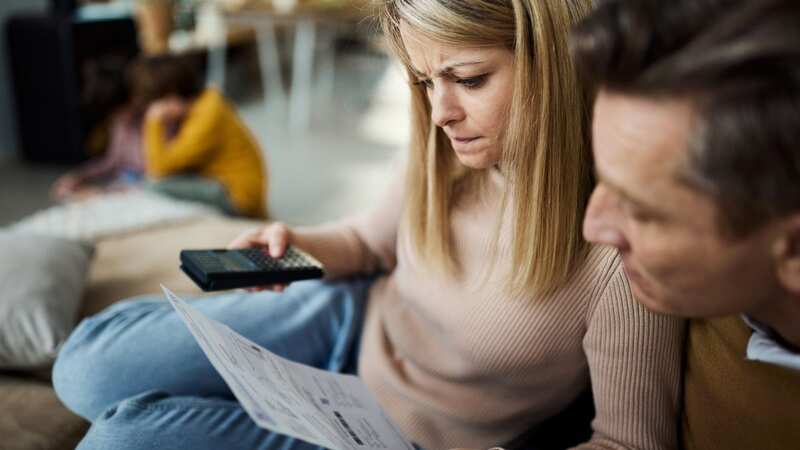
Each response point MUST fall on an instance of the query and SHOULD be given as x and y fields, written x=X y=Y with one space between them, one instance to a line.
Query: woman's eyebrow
x=447 y=70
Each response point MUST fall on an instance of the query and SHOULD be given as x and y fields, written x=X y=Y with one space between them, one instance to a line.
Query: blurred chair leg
x=270 y=63
x=327 y=64
x=217 y=41
x=155 y=19
x=216 y=67
x=302 y=75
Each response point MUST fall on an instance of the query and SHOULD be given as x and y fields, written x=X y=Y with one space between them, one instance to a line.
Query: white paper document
x=332 y=410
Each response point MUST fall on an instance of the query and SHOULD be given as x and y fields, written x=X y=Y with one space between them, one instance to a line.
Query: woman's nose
x=445 y=106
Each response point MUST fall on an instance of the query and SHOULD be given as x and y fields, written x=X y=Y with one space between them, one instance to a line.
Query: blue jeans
x=138 y=375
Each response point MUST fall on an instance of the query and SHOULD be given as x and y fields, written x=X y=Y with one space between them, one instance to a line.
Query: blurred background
x=310 y=79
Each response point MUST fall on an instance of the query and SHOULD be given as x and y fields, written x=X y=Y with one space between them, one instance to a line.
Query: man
x=697 y=148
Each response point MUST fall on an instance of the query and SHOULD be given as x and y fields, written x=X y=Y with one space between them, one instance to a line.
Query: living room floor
x=339 y=165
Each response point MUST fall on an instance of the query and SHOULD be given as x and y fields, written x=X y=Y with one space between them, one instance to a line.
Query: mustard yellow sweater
x=214 y=143
x=731 y=403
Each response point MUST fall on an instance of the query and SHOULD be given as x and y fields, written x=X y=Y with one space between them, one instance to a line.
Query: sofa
x=133 y=260
x=124 y=265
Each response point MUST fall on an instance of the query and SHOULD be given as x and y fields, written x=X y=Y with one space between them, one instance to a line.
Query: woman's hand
x=273 y=238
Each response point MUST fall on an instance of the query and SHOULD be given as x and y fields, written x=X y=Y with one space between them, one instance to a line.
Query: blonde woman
x=485 y=314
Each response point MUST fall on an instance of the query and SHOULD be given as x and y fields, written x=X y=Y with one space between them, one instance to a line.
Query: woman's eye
x=427 y=84
x=473 y=82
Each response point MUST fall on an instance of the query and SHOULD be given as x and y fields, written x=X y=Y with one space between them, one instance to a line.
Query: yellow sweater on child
x=212 y=142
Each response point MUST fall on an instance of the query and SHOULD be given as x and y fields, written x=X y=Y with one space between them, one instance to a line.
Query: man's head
x=697 y=148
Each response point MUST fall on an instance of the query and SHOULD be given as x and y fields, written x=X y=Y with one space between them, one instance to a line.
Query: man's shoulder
x=731 y=402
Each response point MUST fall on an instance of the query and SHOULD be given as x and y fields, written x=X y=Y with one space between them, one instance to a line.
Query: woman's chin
x=478 y=160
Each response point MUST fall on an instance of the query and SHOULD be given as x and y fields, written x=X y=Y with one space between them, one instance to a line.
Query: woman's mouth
x=465 y=144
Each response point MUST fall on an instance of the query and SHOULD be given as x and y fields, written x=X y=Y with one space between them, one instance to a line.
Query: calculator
x=219 y=269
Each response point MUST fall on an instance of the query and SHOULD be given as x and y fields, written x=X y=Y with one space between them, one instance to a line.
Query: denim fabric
x=138 y=375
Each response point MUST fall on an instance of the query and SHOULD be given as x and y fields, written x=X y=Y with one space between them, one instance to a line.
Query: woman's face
x=469 y=90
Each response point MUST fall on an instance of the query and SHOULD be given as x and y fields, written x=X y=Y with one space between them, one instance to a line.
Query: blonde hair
x=546 y=157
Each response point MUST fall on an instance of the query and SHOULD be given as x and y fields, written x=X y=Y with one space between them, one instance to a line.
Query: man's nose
x=603 y=219
x=445 y=106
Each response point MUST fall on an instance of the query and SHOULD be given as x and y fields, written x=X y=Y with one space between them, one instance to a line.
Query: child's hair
x=103 y=86
x=154 y=77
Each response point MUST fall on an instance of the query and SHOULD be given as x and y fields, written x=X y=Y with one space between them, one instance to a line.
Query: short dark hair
x=738 y=63
x=154 y=77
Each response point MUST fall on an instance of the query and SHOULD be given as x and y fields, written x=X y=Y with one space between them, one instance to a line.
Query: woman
x=488 y=314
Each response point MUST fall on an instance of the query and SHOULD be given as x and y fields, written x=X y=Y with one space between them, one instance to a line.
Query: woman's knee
x=89 y=365
x=156 y=420
x=120 y=425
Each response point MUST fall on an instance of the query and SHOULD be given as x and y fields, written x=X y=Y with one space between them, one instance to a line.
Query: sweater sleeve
x=98 y=168
x=365 y=243
x=110 y=163
x=634 y=358
x=196 y=139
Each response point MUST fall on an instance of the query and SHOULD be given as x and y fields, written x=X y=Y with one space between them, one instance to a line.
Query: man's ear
x=787 y=252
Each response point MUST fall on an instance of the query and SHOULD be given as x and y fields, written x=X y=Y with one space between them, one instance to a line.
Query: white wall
x=8 y=138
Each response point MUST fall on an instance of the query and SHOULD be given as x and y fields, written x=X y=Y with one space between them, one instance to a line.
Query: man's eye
x=633 y=211
x=472 y=82
x=639 y=215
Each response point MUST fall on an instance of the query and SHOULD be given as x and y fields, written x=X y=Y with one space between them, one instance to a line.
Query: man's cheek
x=661 y=259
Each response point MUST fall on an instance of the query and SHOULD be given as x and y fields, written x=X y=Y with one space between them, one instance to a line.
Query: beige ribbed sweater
x=457 y=363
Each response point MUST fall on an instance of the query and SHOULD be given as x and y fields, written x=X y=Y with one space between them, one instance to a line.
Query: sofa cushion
x=32 y=416
x=139 y=263
x=135 y=263
x=42 y=281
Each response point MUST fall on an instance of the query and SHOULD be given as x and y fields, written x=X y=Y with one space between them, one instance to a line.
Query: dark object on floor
x=48 y=55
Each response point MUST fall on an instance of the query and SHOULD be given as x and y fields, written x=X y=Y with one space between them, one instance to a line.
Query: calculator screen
x=234 y=261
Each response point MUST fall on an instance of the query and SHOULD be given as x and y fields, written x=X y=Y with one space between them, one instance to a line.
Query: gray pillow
x=41 y=285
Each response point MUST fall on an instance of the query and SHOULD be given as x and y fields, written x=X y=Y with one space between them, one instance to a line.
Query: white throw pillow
x=41 y=285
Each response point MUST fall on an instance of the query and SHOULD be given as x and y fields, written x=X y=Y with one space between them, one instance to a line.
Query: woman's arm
x=634 y=358
x=111 y=162
x=362 y=244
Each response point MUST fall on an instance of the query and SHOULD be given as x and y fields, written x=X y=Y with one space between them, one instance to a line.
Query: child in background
x=122 y=165
x=196 y=147
x=119 y=168
x=186 y=140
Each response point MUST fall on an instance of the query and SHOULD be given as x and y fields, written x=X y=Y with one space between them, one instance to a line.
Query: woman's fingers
x=245 y=240
x=274 y=236
x=277 y=238
x=272 y=287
